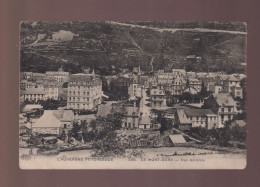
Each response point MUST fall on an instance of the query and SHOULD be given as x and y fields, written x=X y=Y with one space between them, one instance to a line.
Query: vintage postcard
x=132 y=95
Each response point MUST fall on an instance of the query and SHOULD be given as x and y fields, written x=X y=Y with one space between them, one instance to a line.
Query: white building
x=84 y=92
x=57 y=76
x=135 y=90
x=158 y=98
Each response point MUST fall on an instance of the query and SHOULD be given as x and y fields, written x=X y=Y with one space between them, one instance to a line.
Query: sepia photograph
x=133 y=95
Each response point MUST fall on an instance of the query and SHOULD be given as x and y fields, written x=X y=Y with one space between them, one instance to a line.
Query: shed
x=171 y=140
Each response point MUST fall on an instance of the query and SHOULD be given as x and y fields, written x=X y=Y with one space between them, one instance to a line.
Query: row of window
x=34 y=95
x=74 y=98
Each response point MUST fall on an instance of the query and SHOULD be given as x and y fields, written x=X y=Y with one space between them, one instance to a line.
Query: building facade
x=158 y=98
x=223 y=105
x=84 y=92
x=58 y=76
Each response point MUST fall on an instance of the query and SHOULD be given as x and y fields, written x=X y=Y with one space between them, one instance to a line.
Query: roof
x=27 y=125
x=233 y=78
x=224 y=99
x=177 y=138
x=31 y=107
x=47 y=120
x=57 y=73
x=223 y=77
x=190 y=90
x=198 y=112
x=84 y=79
x=39 y=90
x=104 y=109
x=64 y=115
x=183 y=117
x=81 y=77
x=145 y=119
x=240 y=123
x=88 y=117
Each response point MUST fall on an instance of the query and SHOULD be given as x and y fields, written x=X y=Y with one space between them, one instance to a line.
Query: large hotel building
x=84 y=91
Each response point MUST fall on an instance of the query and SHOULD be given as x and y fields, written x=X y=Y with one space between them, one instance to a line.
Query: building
x=178 y=85
x=237 y=92
x=51 y=89
x=187 y=118
x=145 y=122
x=202 y=118
x=238 y=123
x=174 y=139
x=24 y=84
x=84 y=92
x=131 y=118
x=179 y=72
x=196 y=84
x=135 y=90
x=58 y=76
x=26 y=75
x=231 y=82
x=215 y=88
x=53 y=122
x=223 y=105
x=158 y=98
x=33 y=94
x=190 y=90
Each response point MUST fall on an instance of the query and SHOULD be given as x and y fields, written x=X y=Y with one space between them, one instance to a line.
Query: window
x=197 y=118
x=229 y=109
x=222 y=109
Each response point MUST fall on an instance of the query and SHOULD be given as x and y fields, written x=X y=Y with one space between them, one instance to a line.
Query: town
x=61 y=111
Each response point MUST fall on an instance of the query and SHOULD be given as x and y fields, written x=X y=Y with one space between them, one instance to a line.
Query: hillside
x=105 y=45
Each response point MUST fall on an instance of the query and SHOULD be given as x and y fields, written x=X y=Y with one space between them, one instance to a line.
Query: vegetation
x=221 y=136
x=160 y=118
x=103 y=133
x=106 y=45
x=51 y=104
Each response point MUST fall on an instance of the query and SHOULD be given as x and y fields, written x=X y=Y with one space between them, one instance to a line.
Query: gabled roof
x=39 y=90
x=198 y=112
x=233 y=78
x=190 y=90
x=177 y=138
x=31 y=107
x=183 y=117
x=48 y=119
x=104 y=109
x=64 y=115
x=240 y=123
x=224 y=99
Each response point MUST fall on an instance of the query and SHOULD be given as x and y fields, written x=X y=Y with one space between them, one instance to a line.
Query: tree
x=203 y=92
x=160 y=118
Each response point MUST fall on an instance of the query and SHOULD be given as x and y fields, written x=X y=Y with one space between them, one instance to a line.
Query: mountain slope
x=105 y=45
